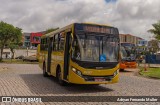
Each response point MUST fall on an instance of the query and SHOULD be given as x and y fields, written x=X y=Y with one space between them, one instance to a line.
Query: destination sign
x=97 y=29
x=93 y=28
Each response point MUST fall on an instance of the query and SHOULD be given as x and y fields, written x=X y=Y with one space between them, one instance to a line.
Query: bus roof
x=51 y=34
x=96 y=24
x=57 y=31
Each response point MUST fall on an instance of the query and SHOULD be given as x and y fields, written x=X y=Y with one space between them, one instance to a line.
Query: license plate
x=99 y=79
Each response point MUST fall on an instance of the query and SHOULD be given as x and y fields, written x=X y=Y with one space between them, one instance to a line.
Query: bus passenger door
x=49 y=55
x=66 y=55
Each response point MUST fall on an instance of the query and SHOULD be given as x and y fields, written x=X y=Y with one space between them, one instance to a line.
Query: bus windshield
x=123 y=52
x=128 y=50
x=95 y=48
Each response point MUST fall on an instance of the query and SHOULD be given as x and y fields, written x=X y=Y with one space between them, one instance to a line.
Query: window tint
x=55 y=43
x=44 y=45
x=61 y=41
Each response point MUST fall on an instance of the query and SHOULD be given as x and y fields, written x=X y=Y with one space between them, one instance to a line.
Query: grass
x=151 y=72
x=17 y=61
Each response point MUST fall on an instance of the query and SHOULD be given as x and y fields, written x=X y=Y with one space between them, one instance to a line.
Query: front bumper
x=86 y=79
x=122 y=66
x=131 y=64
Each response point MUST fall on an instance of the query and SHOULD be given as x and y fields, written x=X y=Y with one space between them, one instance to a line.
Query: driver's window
x=76 y=49
x=61 y=41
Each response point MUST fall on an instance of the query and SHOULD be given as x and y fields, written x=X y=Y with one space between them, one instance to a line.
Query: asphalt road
x=27 y=80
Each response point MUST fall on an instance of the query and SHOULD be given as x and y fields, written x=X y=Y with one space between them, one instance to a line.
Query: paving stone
x=27 y=80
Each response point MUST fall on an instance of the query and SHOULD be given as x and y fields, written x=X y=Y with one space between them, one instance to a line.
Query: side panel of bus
x=49 y=55
x=38 y=52
x=60 y=54
x=43 y=54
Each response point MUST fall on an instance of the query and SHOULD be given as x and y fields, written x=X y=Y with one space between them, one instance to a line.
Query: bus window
x=41 y=45
x=55 y=43
x=110 y=49
x=91 y=47
x=76 y=49
x=61 y=41
x=46 y=44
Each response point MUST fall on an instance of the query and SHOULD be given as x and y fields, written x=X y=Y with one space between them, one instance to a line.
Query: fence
x=152 y=59
x=18 y=52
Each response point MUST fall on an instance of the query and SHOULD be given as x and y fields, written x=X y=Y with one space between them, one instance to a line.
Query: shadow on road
x=126 y=71
x=48 y=85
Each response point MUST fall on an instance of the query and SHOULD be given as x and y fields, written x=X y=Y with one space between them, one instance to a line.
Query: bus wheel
x=44 y=71
x=59 y=77
x=122 y=70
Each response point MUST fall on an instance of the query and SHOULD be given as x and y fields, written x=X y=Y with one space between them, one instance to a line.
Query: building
x=128 y=38
x=140 y=43
x=35 y=39
x=31 y=40
x=26 y=40
x=142 y=46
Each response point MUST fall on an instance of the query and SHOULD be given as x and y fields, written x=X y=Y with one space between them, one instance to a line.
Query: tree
x=13 y=46
x=5 y=35
x=8 y=34
x=50 y=30
x=156 y=30
x=153 y=46
x=15 y=41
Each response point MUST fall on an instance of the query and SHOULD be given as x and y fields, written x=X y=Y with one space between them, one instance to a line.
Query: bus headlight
x=115 y=73
x=73 y=69
x=77 y=72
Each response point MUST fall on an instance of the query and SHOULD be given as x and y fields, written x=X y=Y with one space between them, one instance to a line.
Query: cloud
x=136 y=16
x=130 y=16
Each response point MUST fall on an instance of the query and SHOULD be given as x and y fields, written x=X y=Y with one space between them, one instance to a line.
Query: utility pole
x=27 y=51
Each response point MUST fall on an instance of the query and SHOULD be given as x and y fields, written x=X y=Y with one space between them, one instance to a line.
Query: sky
x=129 y=16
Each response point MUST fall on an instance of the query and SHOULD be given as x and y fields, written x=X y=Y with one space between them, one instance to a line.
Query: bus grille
x=93 y=78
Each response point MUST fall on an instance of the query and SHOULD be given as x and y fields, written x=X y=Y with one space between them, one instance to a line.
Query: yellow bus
x=81 y=53
x=38 y=52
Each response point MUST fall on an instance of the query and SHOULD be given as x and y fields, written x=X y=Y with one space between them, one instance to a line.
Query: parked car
x=19 y=57
x=30 y=58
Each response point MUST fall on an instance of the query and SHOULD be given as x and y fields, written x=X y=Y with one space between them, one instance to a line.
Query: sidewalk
x=3 y=68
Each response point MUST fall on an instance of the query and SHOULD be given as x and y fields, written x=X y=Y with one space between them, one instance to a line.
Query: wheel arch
x=58 y=68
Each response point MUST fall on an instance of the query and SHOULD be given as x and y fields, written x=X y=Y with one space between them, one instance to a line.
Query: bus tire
x=121 y=69
x=45 y=74
x=59 y=77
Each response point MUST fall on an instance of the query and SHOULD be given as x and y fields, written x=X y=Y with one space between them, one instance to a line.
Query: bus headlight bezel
x=116 y=72
x=79 y=73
